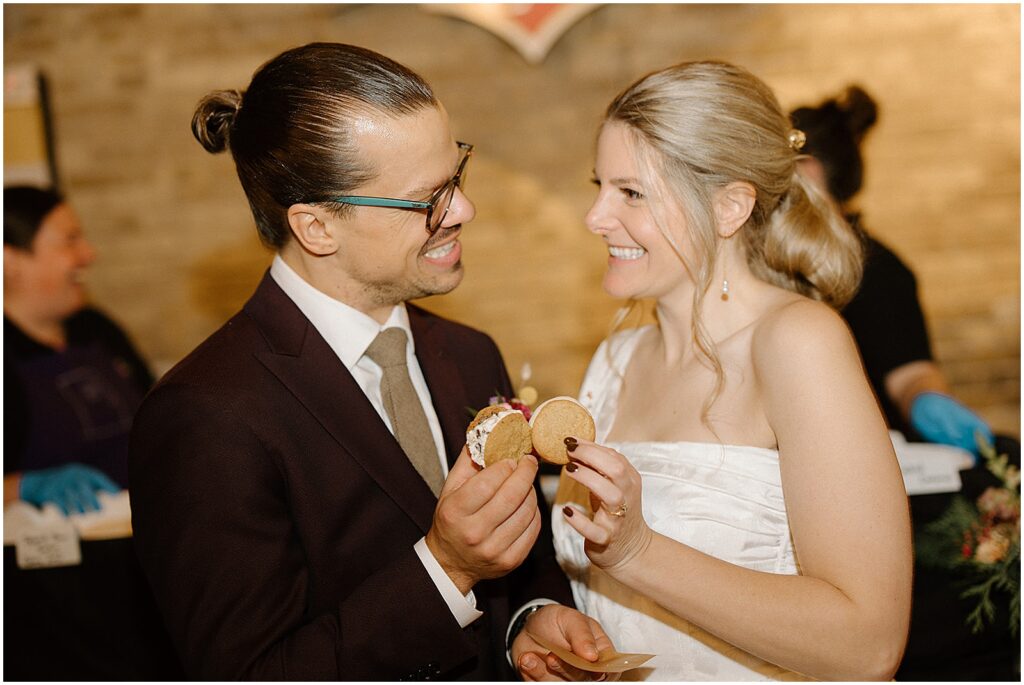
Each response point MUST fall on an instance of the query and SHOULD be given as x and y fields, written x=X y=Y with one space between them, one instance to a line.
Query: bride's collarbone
x=659 y=404
x=649 y=429
x=674 y=421
x=650 y=380
x=659 y=412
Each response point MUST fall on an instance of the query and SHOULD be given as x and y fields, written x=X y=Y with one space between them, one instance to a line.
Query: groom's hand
x=563 y=627
x=486 y=520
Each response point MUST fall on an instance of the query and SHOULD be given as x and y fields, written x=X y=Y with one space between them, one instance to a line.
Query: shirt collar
x=347 y=330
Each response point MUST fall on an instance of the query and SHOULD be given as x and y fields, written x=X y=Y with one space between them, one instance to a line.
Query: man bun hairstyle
x=215 y=113
x=290 y=131
x=834 y=130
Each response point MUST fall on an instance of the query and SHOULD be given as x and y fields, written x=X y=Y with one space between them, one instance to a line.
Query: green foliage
x=1004 y=579
x=980 y=542
x=941 y=546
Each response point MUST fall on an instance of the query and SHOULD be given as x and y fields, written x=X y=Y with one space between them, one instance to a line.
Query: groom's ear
x=313 y=229
x=733 y=205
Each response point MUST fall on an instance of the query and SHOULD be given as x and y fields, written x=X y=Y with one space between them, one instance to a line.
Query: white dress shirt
x=349 y=332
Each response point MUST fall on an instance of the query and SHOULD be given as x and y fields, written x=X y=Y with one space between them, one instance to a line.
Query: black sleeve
x=885 y=316
x=886 y=320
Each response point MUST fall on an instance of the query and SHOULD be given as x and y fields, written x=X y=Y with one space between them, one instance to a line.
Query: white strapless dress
x=724 y=500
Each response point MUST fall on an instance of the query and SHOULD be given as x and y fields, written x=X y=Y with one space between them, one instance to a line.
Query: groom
x=302 y=502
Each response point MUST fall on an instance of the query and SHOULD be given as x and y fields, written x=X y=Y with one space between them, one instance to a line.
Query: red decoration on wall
x=532 y=17
x=532 y=29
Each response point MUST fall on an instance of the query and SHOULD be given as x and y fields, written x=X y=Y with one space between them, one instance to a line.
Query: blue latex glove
x=72 y=487
x=940 y=418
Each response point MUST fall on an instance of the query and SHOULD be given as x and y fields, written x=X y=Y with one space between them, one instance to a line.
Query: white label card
x=48 y=546
x=929 y=468
x=922 y=476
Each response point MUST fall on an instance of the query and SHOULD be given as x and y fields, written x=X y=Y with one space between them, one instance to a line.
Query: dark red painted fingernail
x=567 y=510
x=571 y=467
x=570 y=443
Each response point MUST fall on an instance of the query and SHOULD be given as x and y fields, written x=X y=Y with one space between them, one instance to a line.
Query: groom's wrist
x=518 y=622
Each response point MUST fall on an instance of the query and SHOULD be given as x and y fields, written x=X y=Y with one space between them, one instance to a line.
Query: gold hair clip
x=797 y=139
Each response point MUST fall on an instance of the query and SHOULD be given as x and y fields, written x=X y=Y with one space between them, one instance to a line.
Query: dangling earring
x=725 y=283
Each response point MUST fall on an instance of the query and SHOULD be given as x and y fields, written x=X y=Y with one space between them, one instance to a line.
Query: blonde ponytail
x=806 y=246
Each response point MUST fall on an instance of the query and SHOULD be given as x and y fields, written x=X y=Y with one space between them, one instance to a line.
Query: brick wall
x=179 y=252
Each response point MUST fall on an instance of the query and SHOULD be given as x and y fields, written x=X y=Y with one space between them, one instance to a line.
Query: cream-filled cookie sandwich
x=497 y=433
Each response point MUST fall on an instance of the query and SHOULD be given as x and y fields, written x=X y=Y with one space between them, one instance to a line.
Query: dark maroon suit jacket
x=275 y=514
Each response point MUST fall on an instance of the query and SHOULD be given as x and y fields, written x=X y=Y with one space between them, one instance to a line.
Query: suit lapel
x=304 y=363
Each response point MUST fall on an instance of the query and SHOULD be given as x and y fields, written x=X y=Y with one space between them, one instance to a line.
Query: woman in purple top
x=72 y=380
x=72 y=384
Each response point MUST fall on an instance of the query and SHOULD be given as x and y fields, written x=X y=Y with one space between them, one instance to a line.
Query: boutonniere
x=523 y=400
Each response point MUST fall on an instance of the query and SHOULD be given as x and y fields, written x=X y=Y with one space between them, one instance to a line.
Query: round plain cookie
x=555 y=420
x=498 y=433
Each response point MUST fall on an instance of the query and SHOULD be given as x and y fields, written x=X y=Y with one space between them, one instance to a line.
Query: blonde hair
x=698 y=126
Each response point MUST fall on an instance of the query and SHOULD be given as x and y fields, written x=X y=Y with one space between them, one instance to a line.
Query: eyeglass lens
x=440 y=210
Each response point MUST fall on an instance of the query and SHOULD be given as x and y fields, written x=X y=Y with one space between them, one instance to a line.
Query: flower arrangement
x=980 y=540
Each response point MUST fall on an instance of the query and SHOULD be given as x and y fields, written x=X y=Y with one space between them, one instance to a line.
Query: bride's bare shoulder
x=799 y=331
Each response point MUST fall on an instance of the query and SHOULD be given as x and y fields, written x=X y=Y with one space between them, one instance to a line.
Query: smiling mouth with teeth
x=628 y=253
x=441 y=251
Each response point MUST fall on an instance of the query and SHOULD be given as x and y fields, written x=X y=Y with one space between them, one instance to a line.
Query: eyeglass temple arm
x=381 y=202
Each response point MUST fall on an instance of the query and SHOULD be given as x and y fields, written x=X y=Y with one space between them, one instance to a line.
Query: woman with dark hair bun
x=886 y=319
x=885 y=315
x=834 y=132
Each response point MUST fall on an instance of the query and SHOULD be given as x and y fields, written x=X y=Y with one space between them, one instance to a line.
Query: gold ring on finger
x=620 y=511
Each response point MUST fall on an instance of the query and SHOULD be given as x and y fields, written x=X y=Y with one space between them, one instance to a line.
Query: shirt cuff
x=463 y=607
x=524 y=610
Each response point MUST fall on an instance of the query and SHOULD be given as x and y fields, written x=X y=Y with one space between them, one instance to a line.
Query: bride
x=746 y=517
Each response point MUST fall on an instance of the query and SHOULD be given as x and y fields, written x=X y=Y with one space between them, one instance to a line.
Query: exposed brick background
x=179 y=252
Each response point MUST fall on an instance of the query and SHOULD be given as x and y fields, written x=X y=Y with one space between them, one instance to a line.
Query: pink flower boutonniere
x=525 y=396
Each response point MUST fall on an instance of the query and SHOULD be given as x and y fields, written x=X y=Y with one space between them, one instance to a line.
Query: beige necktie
x=403 y=406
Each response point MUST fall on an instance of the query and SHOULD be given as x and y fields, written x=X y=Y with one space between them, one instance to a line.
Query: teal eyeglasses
x=437 y=206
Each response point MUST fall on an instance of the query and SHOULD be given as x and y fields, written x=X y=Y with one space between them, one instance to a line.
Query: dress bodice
x=724 y=500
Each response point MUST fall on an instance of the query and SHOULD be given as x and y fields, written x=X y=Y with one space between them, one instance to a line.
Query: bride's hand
x=617 y=533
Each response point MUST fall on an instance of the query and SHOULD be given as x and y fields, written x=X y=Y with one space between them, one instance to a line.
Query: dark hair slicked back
x=290 y=132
